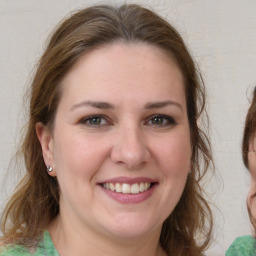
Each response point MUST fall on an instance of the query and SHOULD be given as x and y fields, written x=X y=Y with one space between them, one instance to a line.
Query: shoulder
x=44 y=246
x=242 y=246
x=13 y=250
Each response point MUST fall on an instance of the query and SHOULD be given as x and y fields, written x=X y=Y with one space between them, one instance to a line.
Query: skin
x=125 y=140
x=252 y=168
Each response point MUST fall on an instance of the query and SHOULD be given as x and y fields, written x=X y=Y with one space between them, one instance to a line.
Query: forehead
x=124 y=52
x=125 y=69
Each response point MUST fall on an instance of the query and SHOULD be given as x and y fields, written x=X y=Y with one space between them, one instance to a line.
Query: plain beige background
x=221 y=35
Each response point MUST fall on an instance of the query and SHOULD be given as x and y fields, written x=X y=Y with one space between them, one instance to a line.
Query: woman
x=112 y=148
x=246 y=245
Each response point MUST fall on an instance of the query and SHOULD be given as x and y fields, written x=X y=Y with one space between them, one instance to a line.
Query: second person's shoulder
x=242 y=246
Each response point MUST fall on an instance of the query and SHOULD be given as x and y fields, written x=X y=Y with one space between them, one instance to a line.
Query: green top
x=45 y=248
x=242 y=246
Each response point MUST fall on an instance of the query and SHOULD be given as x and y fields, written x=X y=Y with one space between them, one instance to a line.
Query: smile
x=125 y=188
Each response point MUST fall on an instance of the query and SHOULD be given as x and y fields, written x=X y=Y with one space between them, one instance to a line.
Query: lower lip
x=129 y=198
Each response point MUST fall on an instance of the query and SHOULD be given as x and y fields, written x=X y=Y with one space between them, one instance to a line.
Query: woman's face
x=252 y=169
x=120 y=146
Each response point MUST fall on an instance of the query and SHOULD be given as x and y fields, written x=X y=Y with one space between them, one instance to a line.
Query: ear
x=46 y=140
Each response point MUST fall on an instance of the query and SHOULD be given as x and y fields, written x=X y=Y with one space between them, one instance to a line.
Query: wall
x=222 y=37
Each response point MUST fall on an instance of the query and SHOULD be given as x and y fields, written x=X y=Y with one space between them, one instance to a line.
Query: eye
x=94 y=120
x=161 y=120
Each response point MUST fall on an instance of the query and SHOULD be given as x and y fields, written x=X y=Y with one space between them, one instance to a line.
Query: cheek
x=77 y=156
x=252 y=164
x=252 y=202
x=175 y=155
x=175 y=166
x=251 y=198
x=253 y=207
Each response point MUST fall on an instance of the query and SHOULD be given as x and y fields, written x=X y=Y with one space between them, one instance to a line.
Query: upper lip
x=128 y=180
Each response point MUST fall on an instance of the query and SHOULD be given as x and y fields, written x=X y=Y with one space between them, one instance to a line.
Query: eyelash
x=165 y=120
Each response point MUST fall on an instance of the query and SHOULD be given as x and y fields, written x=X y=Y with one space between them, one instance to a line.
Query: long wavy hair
x=188 y=229
x=249 y=134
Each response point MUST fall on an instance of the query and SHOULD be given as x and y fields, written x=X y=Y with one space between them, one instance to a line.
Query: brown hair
x=249 y=133
x=188 y=229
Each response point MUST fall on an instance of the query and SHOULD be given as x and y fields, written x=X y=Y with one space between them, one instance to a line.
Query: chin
x=134 y=228
x=125 y=233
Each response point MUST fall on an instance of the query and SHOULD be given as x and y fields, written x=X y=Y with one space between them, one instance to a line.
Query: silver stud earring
x=49 y=168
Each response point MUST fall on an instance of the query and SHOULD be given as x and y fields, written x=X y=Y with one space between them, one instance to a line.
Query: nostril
x=130 y=148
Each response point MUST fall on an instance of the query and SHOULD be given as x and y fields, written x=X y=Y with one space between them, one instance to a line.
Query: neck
x=72 y=240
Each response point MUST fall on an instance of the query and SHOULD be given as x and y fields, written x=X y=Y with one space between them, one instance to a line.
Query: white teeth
x=118 y=187
x=112 y=187
x=142 y=187
x=135 y=189
x=146 y=185
x=127 y=188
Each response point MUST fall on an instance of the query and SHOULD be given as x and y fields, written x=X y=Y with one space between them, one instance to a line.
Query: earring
x=49 y=168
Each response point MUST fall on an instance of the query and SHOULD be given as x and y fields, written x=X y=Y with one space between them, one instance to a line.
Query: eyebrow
x=106 y=105
x=95 y=104
x=161 y=104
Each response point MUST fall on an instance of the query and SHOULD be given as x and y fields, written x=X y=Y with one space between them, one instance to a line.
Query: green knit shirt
x=45 y=248
x=242 y=246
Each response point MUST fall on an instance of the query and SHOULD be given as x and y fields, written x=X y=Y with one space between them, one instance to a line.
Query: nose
x=130 y=148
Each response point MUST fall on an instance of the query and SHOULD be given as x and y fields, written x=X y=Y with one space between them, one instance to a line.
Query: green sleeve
x=14 y=250
x=242 y=246
x=44 y=247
